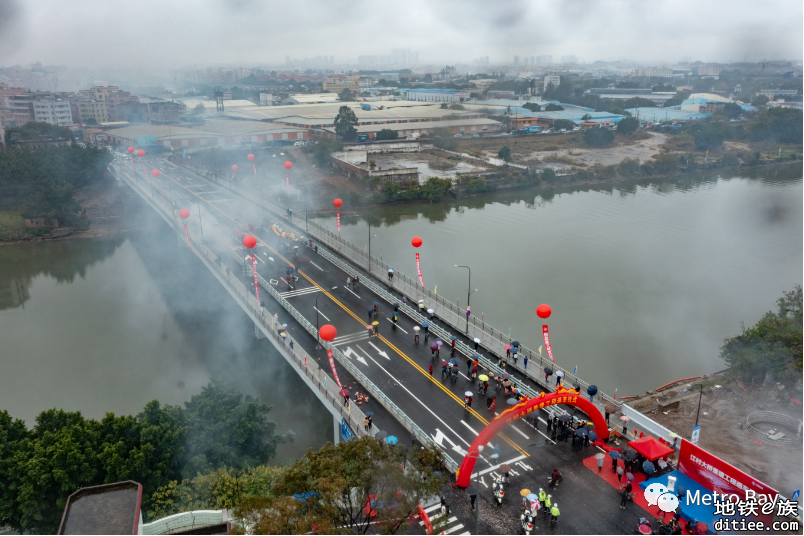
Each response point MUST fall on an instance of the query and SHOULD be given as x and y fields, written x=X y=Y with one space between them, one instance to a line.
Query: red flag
x=547 y=342
x=332 y=366
x=256 y=284
x=287 y=181
x=339 y=224
x=187 y=234
x=419 y=270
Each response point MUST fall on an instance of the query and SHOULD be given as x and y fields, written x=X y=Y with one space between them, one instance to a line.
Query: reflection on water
x=646 y=278
x=97 y=326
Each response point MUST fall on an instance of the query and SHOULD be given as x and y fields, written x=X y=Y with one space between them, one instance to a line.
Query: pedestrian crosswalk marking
x=300 y=292
x=352 y=337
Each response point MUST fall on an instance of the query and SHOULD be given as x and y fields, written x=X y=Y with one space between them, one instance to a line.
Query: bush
x=729 y=161
x=629 y=167
x=776 y=125
x=553 y=108
x=598 y=137
x=549 y=175
x=505 y=153
x=708 y=135
x=627 y=125
x=443 y=139
x=478 y=186
x=387 y=134
x=565 y=124
x=12 y=226
x=665 y=163
x=456 y=106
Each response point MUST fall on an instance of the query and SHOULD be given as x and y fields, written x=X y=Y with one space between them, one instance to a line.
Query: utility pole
x=199 y=219
x=699 y=406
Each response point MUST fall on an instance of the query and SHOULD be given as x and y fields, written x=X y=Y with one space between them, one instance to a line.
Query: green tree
x=773 y=345
x=638 y=102
x=428 y=79
x=732 y=110
x=456 y=106
x=586 y=117
x=227 y=429
x=532 y=106
x=387 y=134
x=505 y=153
x=549 y=175
x=360 y=485
x=346 y=95
x=565 y=124
x=598 y=137
x=346 y=123
x=677 y=99
x=199 y=109
x=776 y=125
x=443 y=139
x=759 y=100
x=627 y=125
x=553 y=108
x=708 y=135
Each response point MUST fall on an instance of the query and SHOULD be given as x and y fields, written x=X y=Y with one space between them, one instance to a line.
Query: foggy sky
x=252 y=33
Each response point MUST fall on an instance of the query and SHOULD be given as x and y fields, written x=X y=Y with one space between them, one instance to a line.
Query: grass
x=524 y=145
x=12 y=226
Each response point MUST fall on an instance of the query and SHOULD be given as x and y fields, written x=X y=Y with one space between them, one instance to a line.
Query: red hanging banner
x=187 y=234
x=339 y=224
x=255 y=173
x=547 y=342
x=419 y=270
x=133 y=176
x=287 y=182
x=332 y=366
x=146 y=174
x=256 y=284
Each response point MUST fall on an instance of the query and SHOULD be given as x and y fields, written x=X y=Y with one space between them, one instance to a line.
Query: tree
x=677 y=99
x=565 y=124
x=346 y=95
x=776 y=125
x=549 y=175
x=91 y=121
x=627 y=125
x=346 y=123
x=456 y=106
x=708 y=135
x=359 y=485
x=638 y=102
x=553 y=108
x=199 y=109
x=760 y=100
x=586 y=117
x=532 y=106
x=598 y=137
x=773 y=345
x=732 y=110
x=387 y=134
x=443 y=139
x=428 y=79
x=505 y=153
x=661 y=87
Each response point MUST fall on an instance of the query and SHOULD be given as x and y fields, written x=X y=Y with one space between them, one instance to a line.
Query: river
x=645 y=279
x=108 y=325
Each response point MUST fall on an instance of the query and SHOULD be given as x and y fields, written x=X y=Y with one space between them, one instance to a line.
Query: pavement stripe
x=391 y=321
x=322 y=314
x=317 y=266
x=453 y=529
x=292 y=293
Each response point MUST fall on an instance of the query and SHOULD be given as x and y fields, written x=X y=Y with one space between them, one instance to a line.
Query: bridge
x=391 y=368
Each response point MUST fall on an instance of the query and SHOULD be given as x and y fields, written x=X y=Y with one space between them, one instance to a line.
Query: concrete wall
x=645 y=424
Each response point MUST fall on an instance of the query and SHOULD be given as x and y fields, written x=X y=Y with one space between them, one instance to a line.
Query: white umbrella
x=429 y=311
x=477 y=341
x=560 y=373
x=468 y=393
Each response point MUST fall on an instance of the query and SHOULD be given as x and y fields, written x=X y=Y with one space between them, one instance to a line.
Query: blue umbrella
x=592 y=390
x=515 y=343
x=616 y=455
x=453 y=338
x=592 y=436
x=648 y=467
x=514 y=350
x=425 y=324
x=391 y=440
x=581 y=432
x=453 y=361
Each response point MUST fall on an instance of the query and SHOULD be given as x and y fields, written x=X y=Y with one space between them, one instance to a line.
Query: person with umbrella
x=514 y=352
x=370 y=416
x=370 y=313
x=477 y=343
x=547 y=372
x=356 y=282
x=426 y=326
x=468 y=366
x=555 y=477
x=474 y=370
x=390 y=277
x=453 y=339
x=614 y=457
x=366 y=424
x=559 y=377
x=433 y=349
x=444 y=366
x=431 y=369
x=625 y=420
x=394 y=318
x=620 y=473
x=484 y=386
x=467 y=400
x=493 y=406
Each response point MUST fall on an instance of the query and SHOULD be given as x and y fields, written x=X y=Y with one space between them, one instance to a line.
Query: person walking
x=477 y=343
x=493 y=406
x=619 y=473
x=542 y=497
x=443 y=369
x=549 y=423
x=554 y=513
x=525 y=361
x=623 y=497
x=548 y=503
x=468 y=366
x=365 y=424
x=348 y=282
x=614 y=464
x=371 y=422
x=416 y=334
x=431 y=369
x=600 y=465
x=625 y=428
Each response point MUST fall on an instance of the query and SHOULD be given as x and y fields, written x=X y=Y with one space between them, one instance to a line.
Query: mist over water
x=97 y=326
x=645 y=279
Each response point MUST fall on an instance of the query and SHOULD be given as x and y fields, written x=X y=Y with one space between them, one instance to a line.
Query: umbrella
x=616 y=455
x=589 y=426
x=453 y=361
x=515 y=343
x=564 y=418
x=576 y=386
x=477 y=340
x=592 y=436
x=433 y=346
x=681 y=490
x=506 y=376
x=548 y=371
x=430 y=311
x=507 y=383
x=525 y=492
x=483 y=378
x=625 y=418
x=648 y=467
x=629 y=476
x=630 y=454
x=396 y=306
x=560 y=373
x=673 y=435
x=375 y=323
x=507 y=347
x=390 y=271
x=512 y=401
x=381 y=435
x=610 y=409
x=591 y=390
x=421 y=305
x=416 y=328
x=376 y=304
x=391 y=440
x=369 y=414
x=284 y=334
x=599 y=456
x=453 y=338
x=581 y=432
x=468 y=393
x=475 y=357
x=425 y=324
x=514 y=350
x=471 y=490
x=532 y=497
x=505 y=468
x=344 y=393
x=421 y=301
x=439 y=342
x=371 y=309
x=444 y=363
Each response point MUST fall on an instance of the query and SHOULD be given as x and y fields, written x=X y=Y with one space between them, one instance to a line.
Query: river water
x=645 y=279
x=108 y=325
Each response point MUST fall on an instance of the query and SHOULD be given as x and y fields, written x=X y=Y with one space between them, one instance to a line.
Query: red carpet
x=639 y=497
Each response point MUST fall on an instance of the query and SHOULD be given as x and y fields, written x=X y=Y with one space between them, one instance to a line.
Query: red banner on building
x=332 y=366
x=339 y=224
x=287 y=181
x=187 y=234
x=721 y=477
x=256 y=284
x=419 y=270
x=547 y=343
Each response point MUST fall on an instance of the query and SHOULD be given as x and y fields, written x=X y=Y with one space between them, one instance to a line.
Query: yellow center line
x=426 y=374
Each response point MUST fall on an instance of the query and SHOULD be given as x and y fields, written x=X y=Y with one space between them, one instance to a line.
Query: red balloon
x=130 y=149
x=141 y=152
x=234 y=167
x=544 y=311
x=249 y=241
x=337 y=203
x=251 y=157
x=155 y=173
x=327 y=332
x=288 y=165
x=184 y=213
x=416 y=241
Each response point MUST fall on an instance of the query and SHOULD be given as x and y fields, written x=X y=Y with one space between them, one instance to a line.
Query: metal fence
x=295 y=355
x=492 y=339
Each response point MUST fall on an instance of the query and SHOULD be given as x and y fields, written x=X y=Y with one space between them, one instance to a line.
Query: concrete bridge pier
x=336 y=422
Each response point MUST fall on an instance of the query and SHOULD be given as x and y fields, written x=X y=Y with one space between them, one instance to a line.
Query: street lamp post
x=305 y=206
x=369 y=245
x=317 y=338
x=699 y=406
x=469 y=292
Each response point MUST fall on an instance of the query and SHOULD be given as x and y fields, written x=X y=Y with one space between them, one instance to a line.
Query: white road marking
x=322 y=314
x=391 y=321
x=518 y=431
x=470 y=428
x=430 y=509
x=380 y=352
x=317 y=266
x=346 y=339
x=350 y=290
x=300 y=292
x=349 y=352
x=453 y=529
x=494 y=468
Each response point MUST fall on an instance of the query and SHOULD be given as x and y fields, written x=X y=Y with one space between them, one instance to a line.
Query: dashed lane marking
x=317 y=266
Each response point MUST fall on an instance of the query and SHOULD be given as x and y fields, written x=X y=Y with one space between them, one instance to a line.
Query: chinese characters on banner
x=287 y=182
x=419 y=270
x=339 y=224
x=256 y=285
x=547 y=343
x=332 y=366
x=187 y=234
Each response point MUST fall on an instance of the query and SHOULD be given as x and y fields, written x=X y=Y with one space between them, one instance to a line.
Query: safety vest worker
x=555 y=513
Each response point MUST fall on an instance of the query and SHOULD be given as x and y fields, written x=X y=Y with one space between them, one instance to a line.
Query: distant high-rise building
x=516 y=60
x=533 y=60
x=287 y=60
x=567 y=60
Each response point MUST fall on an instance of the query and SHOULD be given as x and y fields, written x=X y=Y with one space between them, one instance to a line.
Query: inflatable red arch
x=562 y=396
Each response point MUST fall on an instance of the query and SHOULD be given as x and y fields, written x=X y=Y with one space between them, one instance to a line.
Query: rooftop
x=106 y=509
x=424 y=125
x=211 y=129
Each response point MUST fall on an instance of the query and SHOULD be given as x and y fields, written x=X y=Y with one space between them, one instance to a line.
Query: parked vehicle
x=361 y=138
x=300 y=144
x=458 y=135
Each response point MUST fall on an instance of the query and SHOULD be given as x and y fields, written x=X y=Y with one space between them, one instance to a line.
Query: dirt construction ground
x=723 y=416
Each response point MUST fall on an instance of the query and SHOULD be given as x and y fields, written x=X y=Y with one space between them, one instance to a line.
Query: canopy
x=650 y=448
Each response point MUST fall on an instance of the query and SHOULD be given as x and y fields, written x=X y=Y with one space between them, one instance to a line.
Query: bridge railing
x=492 y=339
